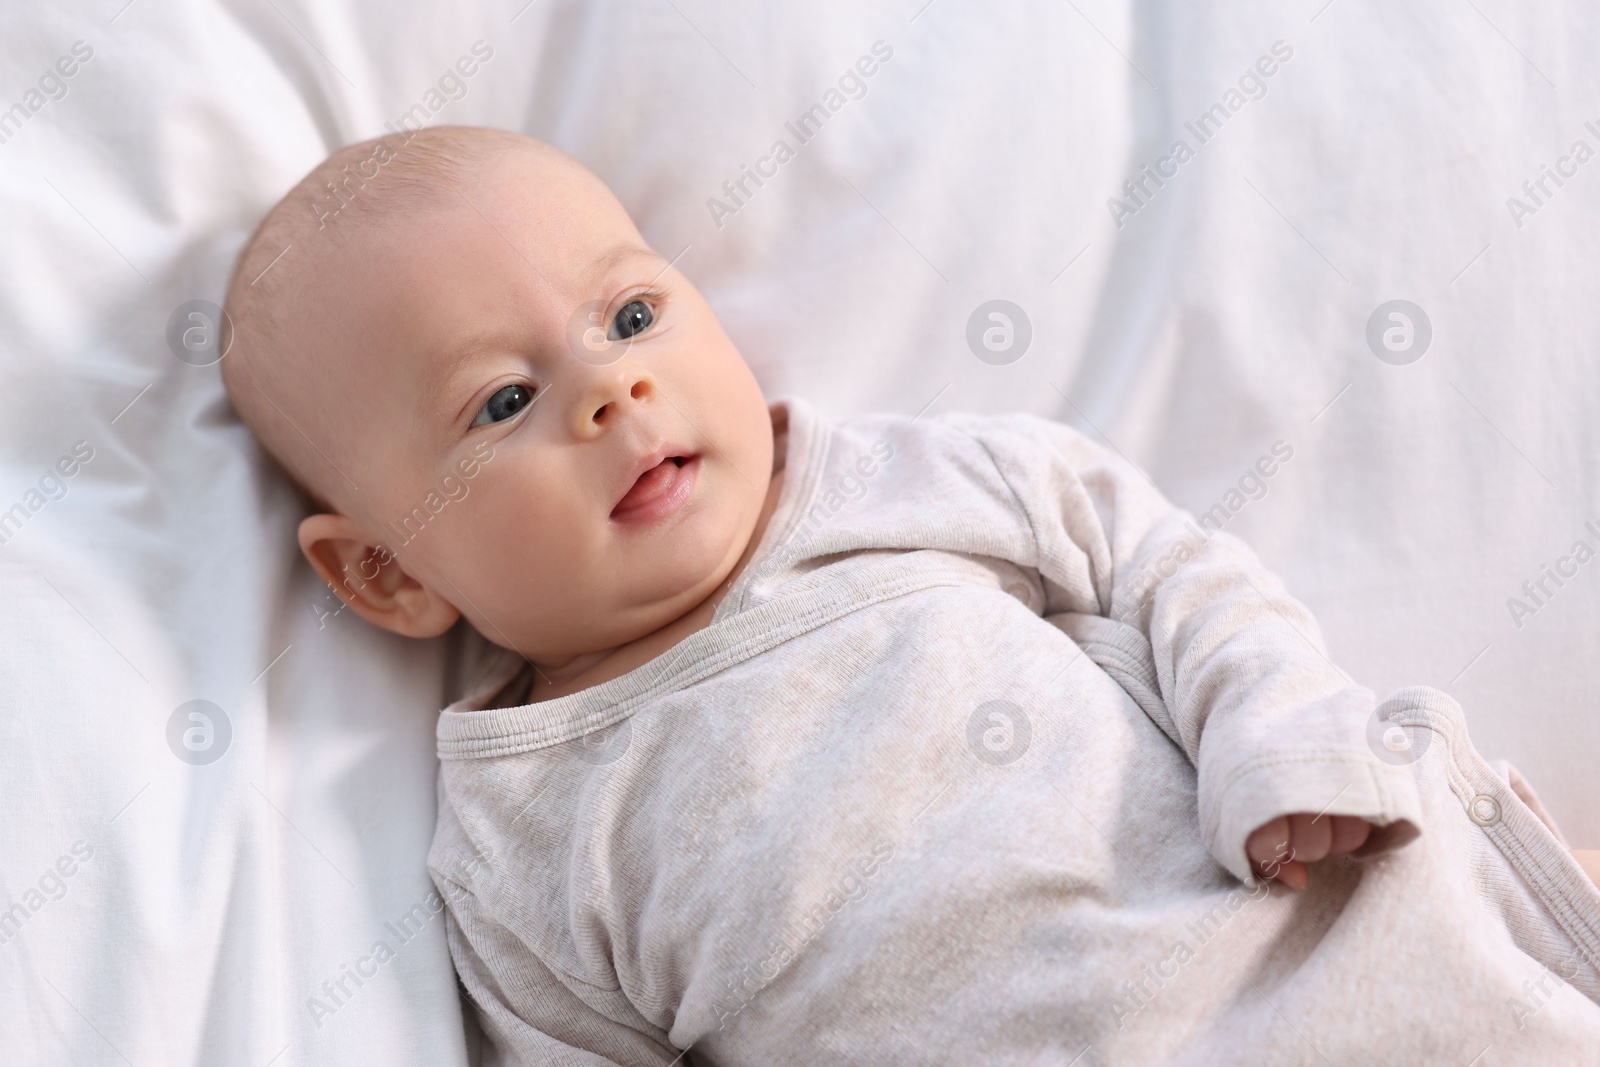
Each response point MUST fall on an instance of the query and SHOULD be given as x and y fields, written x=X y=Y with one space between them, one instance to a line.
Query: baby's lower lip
x=659 y=492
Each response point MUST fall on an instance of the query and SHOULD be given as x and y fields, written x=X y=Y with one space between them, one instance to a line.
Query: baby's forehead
x=448 y=174
x=381 y=222
x=554 y=216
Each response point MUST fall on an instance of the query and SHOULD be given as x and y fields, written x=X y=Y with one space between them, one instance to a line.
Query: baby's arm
x=1275 y=730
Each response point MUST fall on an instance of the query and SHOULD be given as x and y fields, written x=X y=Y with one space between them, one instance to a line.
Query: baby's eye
x=503 y=404
x=634 y=318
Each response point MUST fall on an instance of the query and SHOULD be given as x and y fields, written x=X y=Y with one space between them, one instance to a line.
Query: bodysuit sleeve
x=1249 y=692
x=577 y=1030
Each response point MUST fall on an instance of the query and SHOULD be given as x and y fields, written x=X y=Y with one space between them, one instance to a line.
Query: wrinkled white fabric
x=961 y=771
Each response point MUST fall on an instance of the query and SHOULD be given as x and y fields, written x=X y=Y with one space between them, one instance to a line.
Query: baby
x=891 y=740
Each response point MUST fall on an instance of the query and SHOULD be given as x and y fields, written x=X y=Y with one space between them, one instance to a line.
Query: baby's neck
x=591 y=669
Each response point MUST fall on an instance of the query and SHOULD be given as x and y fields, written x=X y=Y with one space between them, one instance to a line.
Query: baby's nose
x=619 y=388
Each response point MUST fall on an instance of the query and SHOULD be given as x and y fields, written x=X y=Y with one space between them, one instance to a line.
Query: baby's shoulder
x=958 y=443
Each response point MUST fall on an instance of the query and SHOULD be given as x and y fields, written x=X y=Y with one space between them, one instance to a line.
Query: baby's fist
x=1282 y=848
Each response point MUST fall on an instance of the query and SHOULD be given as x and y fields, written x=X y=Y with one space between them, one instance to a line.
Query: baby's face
x=525 y=320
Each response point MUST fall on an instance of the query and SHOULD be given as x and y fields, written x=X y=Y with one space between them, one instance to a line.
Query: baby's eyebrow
x=610 y=260
x=461 y=355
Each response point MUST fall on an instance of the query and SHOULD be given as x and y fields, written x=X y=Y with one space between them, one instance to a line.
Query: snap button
x=1483 y=809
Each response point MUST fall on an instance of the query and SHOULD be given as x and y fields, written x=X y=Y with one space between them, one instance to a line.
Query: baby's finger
x=1349 y=834
x=1269 y=842
x=1291 y=873
x=1310 y=836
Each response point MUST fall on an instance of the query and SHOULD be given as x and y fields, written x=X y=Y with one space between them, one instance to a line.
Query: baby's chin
x=691 y=571
x=675 y=575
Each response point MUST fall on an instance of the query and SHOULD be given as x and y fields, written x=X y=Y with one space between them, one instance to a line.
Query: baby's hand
x=1282 y=848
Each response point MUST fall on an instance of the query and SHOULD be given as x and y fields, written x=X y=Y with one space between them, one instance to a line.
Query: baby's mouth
x=659 y=491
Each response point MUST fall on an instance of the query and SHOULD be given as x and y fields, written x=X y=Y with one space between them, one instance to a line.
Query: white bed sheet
x=1222 y=317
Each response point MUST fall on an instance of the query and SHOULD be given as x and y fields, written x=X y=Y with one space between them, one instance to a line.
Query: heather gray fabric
x=962 y=771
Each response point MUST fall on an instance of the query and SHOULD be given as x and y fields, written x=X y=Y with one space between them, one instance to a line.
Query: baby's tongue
x=651 y=484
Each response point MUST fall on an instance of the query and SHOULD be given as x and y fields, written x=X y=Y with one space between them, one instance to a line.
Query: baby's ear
x=371 y=579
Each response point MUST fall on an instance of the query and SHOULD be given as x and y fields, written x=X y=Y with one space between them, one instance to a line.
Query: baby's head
x=504 y=404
